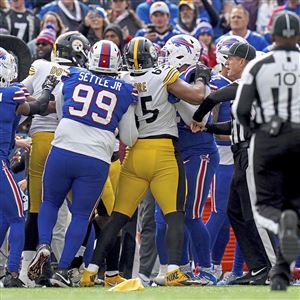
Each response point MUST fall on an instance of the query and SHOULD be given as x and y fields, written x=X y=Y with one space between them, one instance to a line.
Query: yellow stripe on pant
x=154 y=164
x=40 y=147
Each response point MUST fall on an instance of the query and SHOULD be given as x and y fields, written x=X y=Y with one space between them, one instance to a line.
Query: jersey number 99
x=86 y=102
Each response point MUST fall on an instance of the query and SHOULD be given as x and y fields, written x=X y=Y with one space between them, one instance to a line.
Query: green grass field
x=200 y=293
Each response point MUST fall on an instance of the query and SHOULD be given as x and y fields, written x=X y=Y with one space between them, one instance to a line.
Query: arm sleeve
x=128 y=132
x=214 y=17
x=246 y=93
x=59 y=101
x=226 y=93
x=40 y=105
x=219 y=128
x=186 y=111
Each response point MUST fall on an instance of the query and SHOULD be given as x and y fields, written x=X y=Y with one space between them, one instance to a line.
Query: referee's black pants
x=241 y=217
x=276 y=163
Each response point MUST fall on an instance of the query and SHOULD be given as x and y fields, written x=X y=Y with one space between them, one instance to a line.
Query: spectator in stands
x=205 y=35
x=290 y=5
x=56 y=22
x=71 y=12
x=160 y=30
x=188 y=21
x=143 y=11
x=263 y=15
x=21 y=22
x=4 y=6
x=94 y=25
x=125 y=17
x=44 y=44
x=113 y=32
x=238 y=21
x=51 y=21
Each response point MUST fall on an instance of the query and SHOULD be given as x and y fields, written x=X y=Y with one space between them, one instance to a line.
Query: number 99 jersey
x=156 y=116
x=97 y=101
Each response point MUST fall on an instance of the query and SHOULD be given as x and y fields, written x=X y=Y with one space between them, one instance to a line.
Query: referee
x=271 y=85
x=255 y=243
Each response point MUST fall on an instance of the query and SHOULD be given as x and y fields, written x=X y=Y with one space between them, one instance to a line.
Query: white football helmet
x=104 y=57
x=8 y=68
x=225 y=43
x=182 y=50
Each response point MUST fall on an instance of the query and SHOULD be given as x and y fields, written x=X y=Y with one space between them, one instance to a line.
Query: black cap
x=240 y=49
x=285 y=24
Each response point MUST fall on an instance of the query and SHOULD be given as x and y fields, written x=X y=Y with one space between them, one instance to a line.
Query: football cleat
x=228 y=279
x=217 y=271
x=179 y=278
x=207 y=276
x=110 y=281
x=12 y=282
x=160 y=279
x=61 y=278
x=75 y=276
x=253 y=277
x=88 y=278
x=36 y=266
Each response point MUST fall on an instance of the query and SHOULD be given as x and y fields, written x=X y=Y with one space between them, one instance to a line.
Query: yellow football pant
x=40 y=147
x=154 y=164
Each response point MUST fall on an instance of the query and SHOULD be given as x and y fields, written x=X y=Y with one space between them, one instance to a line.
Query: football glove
x=50 y=83
x=202 y=73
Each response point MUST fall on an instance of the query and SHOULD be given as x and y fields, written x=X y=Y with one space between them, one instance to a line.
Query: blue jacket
x=143 y=10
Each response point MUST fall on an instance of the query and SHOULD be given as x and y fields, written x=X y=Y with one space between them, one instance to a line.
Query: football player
x=201 y=158
x=154 y=161
x=95 y=104
x=70 y=49
x=12 y=104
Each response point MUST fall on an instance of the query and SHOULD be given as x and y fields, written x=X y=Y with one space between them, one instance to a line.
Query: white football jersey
x=155 y=114
x=38 y=72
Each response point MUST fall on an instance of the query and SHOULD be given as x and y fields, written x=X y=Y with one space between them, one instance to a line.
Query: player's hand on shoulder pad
x=202 y=73
x=50 y=83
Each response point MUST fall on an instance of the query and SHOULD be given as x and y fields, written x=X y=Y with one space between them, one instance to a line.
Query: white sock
x=206 y=269
x=112 y=273
x=172 y=267
x=217 y=267
x=186 y=268
x=92 y=268
x=80 y=252
x=28 y=255
x=163 y=269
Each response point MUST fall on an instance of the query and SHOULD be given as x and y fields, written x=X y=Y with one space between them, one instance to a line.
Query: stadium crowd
x=91 y=209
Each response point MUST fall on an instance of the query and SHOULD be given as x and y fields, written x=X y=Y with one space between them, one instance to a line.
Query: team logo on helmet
x=77 y=45
x=182 y=42
x=153 y=52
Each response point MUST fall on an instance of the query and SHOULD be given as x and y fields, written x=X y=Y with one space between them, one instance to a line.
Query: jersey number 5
x=86 y=101
x=146 y=111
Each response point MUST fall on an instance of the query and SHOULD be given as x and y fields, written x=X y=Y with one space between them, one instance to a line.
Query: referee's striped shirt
x=272 y=85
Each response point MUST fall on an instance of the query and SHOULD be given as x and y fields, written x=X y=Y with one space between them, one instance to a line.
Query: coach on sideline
x=272 y=84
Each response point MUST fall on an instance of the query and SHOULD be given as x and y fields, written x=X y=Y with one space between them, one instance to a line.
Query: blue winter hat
x=204 y=27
